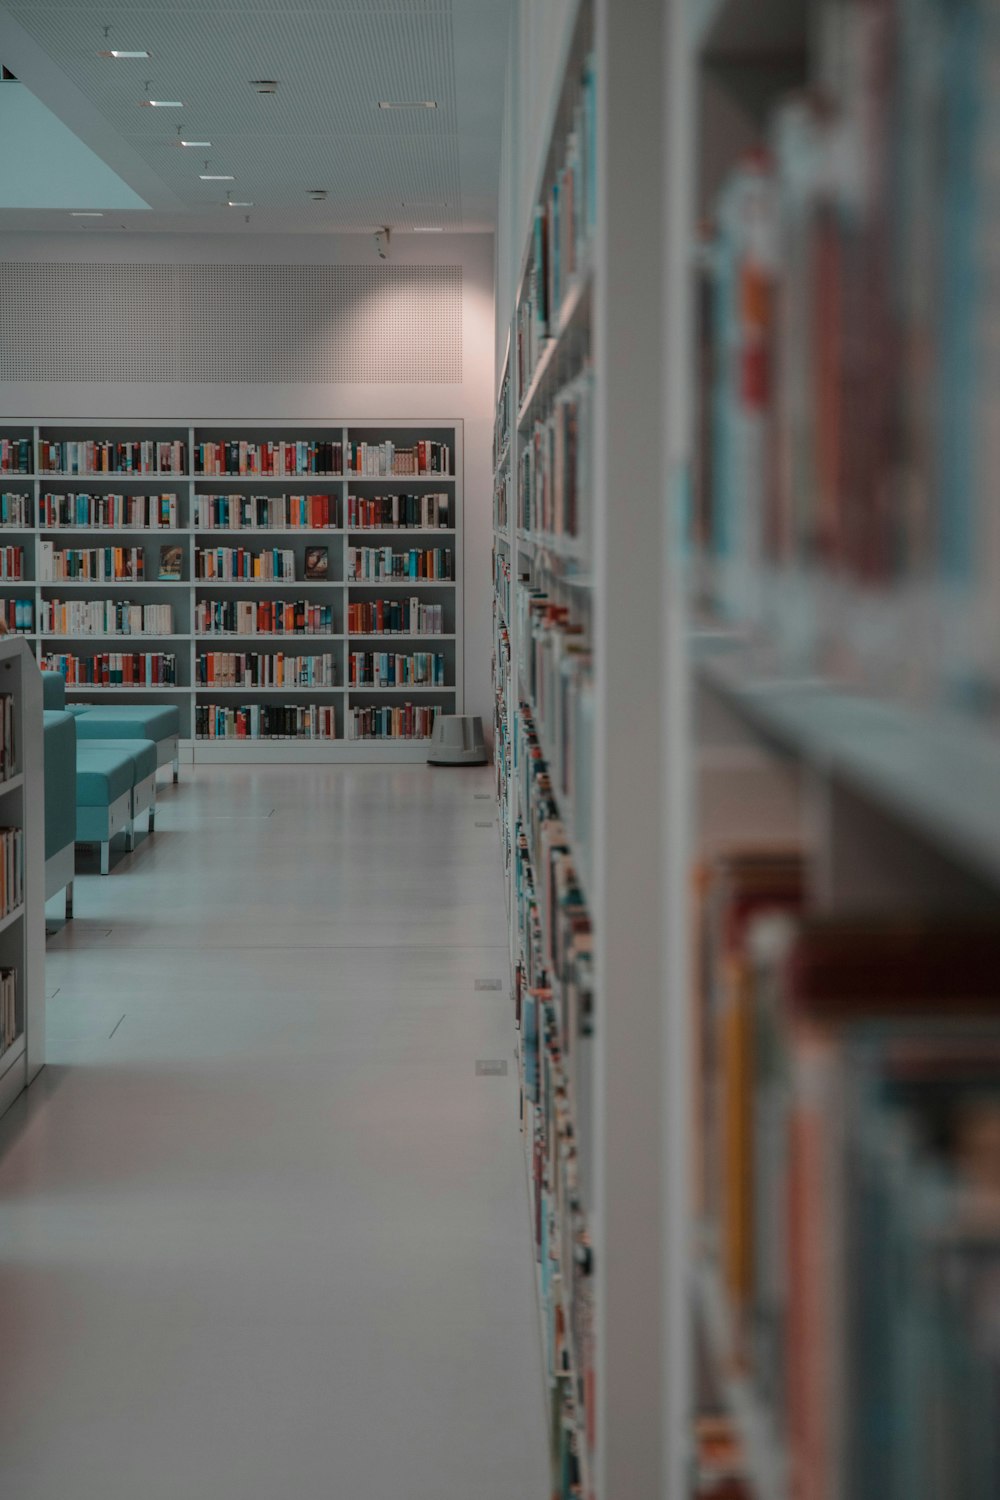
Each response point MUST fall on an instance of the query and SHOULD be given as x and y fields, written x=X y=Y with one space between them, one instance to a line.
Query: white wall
x=470 y=401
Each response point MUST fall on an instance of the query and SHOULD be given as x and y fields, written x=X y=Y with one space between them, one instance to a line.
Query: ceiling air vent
x=265 y=85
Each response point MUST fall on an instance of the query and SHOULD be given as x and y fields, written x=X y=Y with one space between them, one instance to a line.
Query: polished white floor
x=263 y=1229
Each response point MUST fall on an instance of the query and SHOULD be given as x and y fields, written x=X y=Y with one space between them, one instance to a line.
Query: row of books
x=395 y=617
x=371 y=563
x=555 y=475
x=12 y=562
x=404 y=721
x=18 y=615
x=262 y=617
x=56 y=564
x=9 y=1030
x=107 y=512
x=279 y=459
x=422 y=512
x=104 y=617
x=378 y=459
x=562 y=230
x=265 y=721
x=848 y=1095
x=15 y=510
x=501 y=733
x=114 y=668
x=501 y=422
x=15 y=455
x=106 y=456
x=267 y=512
x=846 y=499
x=501 y=582
x=554 y=1013
x=11 y=870
x=232 y=563
x=264 y=669
x=502 y=485
x=556 y=666
x=389 y=669
x=8 y=746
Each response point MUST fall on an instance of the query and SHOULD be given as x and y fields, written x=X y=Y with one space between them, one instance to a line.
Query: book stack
x=115 y=669
x=237 y=456
x=406 y=721
x=104 y=456
x=265 y=721
x=371 y=563
x=18 y=615
x=15 y=509
x=8 y=748
x=554 y=479
x=501 y=736
x=110 y=512
x=386 y=669
x=557 y=673
x=8 y=1009
x=387 y=458
x=553 y=1006
x=848 y=504
x=501 y=422
x=11 y=562
x=262 y=617
x=11 y=870
x=264 y=512
x=229 y=564
x=99 y=563
x=400 y=512
x=501 y=582
x=395 y=617
x=264 y=669
x=563 y=227
x=501 y=499
x=104 y=617
x=848 y=1132
x=15 y=455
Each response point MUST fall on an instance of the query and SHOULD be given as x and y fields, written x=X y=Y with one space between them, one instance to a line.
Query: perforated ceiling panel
x=333 y=61
x=121 y=322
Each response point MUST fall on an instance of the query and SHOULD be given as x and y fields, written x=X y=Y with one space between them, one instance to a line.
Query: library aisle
x=262 y=1225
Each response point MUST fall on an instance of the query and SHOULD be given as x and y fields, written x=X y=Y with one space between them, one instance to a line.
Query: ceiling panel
x=322 y=129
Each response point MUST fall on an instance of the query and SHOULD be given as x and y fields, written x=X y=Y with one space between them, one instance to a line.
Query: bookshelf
x=22 y=877
x=308 y=518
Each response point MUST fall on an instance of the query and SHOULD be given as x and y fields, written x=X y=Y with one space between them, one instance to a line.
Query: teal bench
x=60 y=804
x=115 y=782
x=160 y=723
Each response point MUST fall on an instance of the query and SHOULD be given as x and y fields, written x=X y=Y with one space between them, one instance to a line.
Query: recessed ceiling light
x=86 y=213
x=163 y=103
x=204 y=144
x=116 y=52
x=234 y=203
x=216 y=176
x=407 y=104
x=428 y=229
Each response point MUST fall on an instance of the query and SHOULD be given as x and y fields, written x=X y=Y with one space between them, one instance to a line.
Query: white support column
x=630 y=914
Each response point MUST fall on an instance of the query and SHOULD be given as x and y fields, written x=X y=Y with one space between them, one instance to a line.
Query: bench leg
x=177 y=769
x=69 y=901
x=152 y=812
x=105 y=857
x=130 y=834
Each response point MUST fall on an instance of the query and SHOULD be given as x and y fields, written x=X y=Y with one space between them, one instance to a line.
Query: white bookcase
x=712 y=732
x=335 y=592
x=22 y=930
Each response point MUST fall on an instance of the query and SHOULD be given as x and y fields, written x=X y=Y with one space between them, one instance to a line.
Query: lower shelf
x=305 y=752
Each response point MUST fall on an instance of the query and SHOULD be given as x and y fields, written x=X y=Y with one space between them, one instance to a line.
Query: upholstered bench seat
x=105 y=777
x=160 y=723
